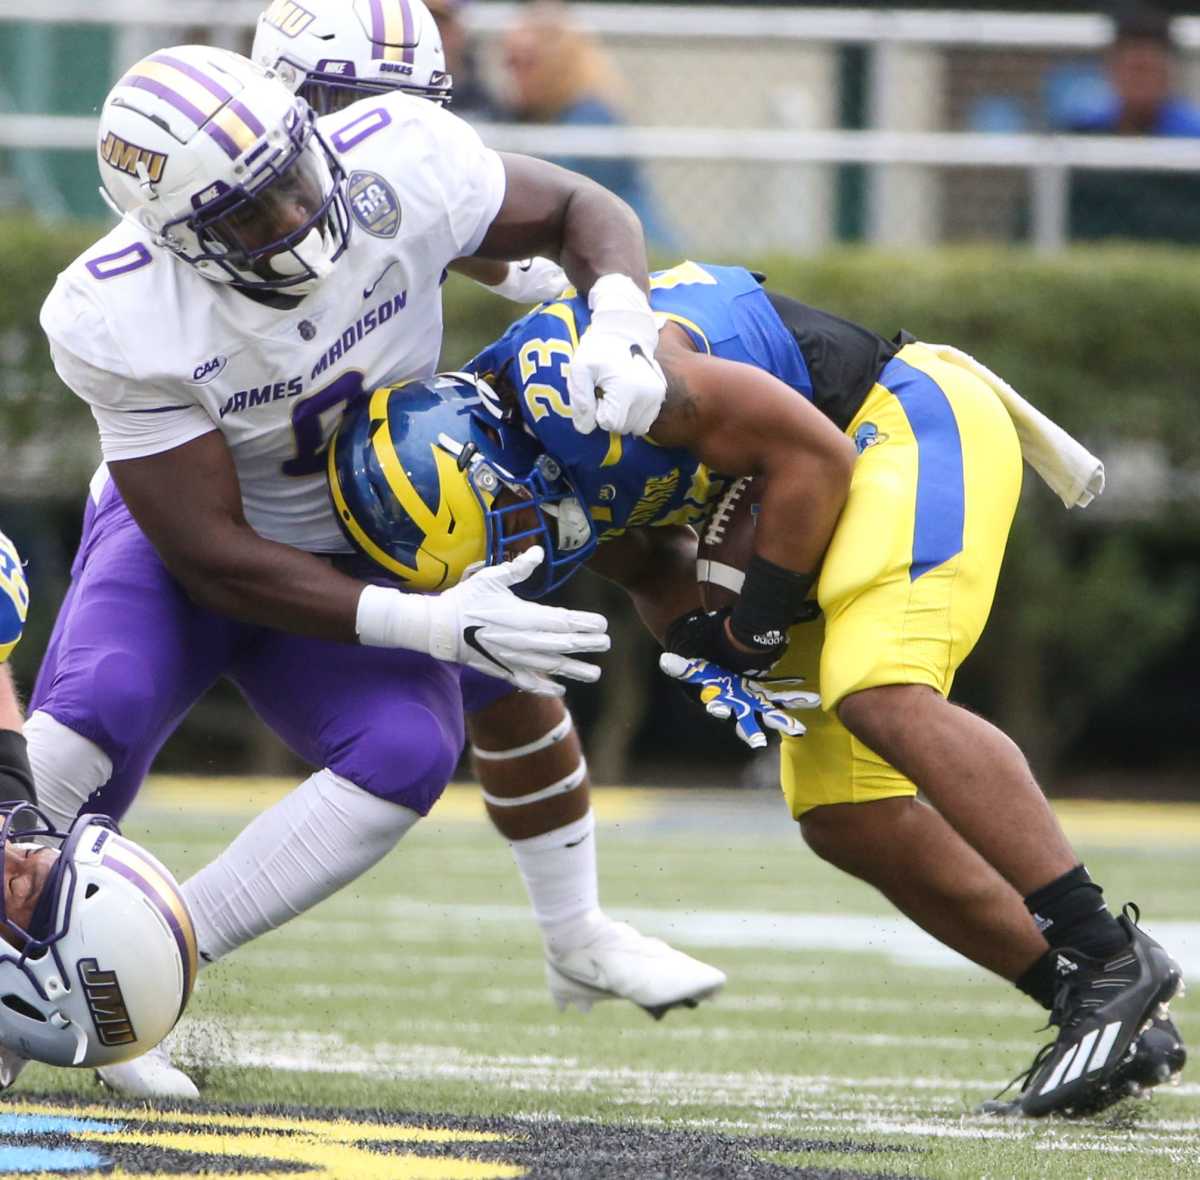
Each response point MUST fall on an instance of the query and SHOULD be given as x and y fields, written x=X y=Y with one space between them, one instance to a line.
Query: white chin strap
x=314 y=253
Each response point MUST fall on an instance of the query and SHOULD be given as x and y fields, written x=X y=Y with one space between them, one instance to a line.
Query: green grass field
x=844 y=1045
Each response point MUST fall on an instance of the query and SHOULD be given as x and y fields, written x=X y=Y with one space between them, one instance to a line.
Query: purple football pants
x=130 y=654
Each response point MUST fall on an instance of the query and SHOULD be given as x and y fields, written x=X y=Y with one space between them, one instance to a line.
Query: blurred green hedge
x=1104 y=340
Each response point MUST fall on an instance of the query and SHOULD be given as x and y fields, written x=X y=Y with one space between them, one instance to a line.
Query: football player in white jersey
x=336 y=52
x=268 y=269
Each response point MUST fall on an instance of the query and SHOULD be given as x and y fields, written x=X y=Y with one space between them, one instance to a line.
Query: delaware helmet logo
x=867 y=435
x=373 y=204
x=106 y=1004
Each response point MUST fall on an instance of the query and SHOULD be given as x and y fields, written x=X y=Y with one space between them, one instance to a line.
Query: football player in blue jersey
x=889 y=476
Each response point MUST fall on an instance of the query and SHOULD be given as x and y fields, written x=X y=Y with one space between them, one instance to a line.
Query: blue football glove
x=14 y=597
x=751 y=703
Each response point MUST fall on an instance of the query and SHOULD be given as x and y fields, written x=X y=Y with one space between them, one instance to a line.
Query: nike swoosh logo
x=369 y=291
x=469 y=634
x=635 y=351
x=576 y=843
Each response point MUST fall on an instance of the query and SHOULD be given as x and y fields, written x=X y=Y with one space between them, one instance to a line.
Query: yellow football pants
x=907 y=584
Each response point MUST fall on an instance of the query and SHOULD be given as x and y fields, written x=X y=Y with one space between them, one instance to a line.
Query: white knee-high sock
x=559 y=871
x=297 y=853
x=67 y=768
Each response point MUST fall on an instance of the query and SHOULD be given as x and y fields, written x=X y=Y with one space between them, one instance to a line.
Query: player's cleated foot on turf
x=616 y=962
x=1158 y=1059
x=150 y=1076
x=11 y=1065
x=1115 y=1039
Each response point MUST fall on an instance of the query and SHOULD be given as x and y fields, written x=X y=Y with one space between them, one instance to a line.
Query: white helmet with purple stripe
x=102 y=968
x=225 y=166
x=333 y=52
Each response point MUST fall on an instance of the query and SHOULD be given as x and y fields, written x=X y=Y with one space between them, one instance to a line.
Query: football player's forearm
x=803 y=496
x=601 y=236
x=657 y=569
x=559 y=214
x=254 y=580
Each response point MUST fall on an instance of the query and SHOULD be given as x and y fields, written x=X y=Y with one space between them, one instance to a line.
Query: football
x=727 y=544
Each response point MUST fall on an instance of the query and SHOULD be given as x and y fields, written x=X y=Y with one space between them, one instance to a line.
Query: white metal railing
x=1048 y=159
x=832 y=24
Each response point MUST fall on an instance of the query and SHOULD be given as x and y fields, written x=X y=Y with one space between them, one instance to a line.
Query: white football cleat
x=11 y=1065
x=150 y=1076
x=618 y=963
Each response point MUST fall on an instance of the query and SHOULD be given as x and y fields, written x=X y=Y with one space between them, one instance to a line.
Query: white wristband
x=390 y=618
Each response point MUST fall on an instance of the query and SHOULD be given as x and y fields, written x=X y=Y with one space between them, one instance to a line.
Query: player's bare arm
x=559 y=214
x=741 y=420
x=188 y=502
x=657 y=568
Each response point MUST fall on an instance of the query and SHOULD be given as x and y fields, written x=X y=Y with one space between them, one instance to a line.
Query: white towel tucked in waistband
x=1070 y=470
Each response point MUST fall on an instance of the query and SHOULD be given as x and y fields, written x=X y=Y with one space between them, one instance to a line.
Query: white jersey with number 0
x=163 y=355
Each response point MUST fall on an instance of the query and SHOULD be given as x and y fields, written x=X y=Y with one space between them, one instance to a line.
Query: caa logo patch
x=374 y=204
x=203 y=373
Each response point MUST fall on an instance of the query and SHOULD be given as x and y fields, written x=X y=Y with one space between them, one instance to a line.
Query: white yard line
x=894 y=937
x=789 y=1103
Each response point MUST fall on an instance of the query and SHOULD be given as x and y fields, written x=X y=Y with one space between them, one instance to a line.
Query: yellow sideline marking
x=1117 y=824
x=460 y=804
x=330 y=1148
x=1090 y=821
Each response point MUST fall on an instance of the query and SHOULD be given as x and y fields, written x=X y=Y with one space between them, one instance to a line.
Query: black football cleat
x=1116 y=1038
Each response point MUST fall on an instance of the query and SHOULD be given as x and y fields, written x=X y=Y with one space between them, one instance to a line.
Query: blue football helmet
x=429 y=485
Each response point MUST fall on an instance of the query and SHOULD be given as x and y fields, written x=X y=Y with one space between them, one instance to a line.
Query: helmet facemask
x=544 y=507
x=283 y=228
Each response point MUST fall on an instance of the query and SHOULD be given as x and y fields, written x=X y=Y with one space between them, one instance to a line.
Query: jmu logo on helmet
x=125 y=157
x=288 y=17
x=106 y=1004
x=374 y=204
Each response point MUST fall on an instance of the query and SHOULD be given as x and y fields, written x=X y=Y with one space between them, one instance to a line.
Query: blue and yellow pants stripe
x=908 y=582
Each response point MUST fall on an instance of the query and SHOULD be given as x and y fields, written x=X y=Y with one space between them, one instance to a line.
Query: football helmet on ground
x=225 y=166
x=102 y=968
x=429 y=486
x=333 y=53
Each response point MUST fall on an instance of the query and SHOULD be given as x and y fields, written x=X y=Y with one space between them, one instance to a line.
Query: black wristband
x=16 y=776
x=701 y=635
x=772 y=599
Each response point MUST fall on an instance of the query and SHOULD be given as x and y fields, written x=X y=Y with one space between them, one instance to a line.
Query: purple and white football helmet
x=334 y=52
x=103 y=968
x=225 y=166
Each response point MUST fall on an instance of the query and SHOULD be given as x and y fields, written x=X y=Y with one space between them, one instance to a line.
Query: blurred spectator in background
x=471 y=98
x=559 y=74
x=1137 y=100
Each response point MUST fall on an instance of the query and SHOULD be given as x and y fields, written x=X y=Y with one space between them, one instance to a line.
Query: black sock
x=1040 y=981
x=1070 y=912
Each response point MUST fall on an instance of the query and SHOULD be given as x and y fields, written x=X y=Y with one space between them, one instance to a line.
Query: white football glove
x=534 y=280
x=750 y=703
x=481 y=623
x=613 y=379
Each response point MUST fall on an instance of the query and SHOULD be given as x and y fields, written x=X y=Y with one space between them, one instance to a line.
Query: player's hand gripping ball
x=750 y=704
x=14 y=597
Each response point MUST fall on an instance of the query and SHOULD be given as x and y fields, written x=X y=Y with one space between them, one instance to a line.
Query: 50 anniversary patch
x=374 y=204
